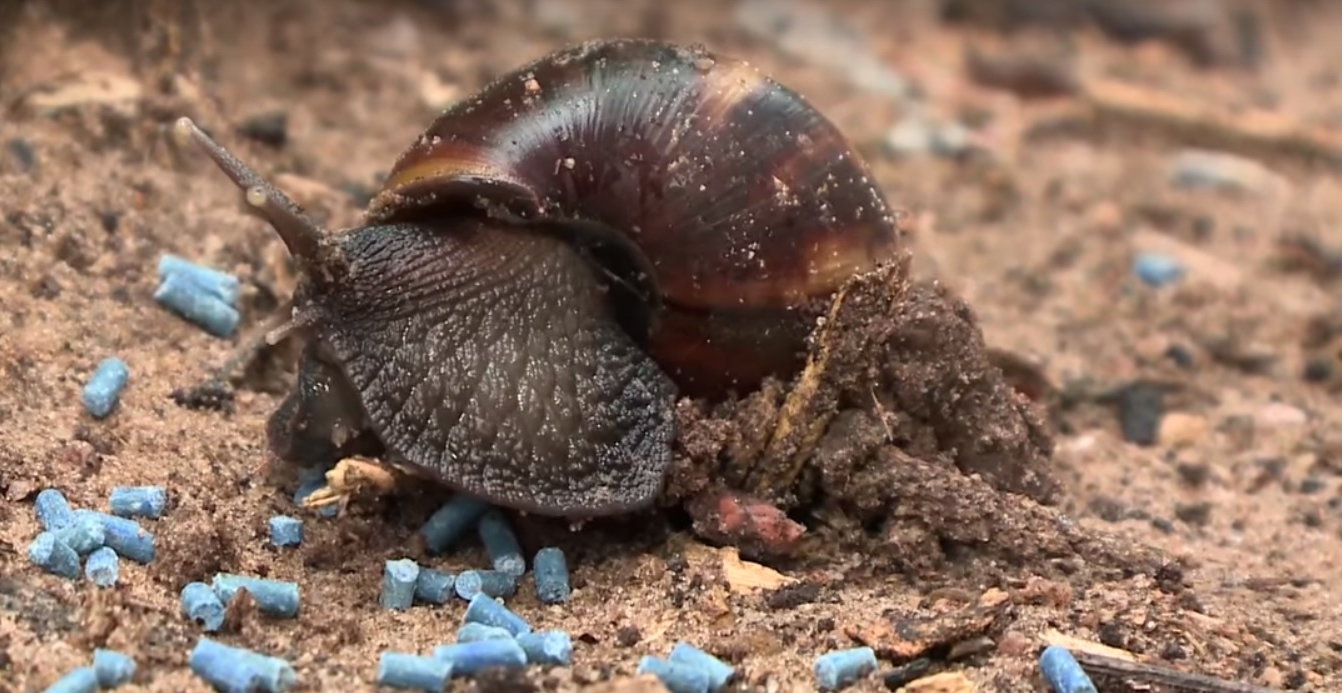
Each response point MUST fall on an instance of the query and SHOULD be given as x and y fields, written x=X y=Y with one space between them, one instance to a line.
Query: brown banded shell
x=745 y=203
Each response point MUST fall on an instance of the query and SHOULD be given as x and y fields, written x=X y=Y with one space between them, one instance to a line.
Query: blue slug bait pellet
x=552 y=581
x=286 y=531
x=491 y=582
x=81 y=680
x=125 y=536
x=501 y=543
x=470 y=632
x=54 y=556
x=1063 y=672
x=547 y=647
x=222 y=285
x=449 y=522
x=201 y=604
x=678 y=677
x=398 y=584
x=274 y=597
x=196 y=305
x=103 y=567
x=310 y=482
x=85 y=535
x=230 y=668
x=470 y=658
x=834 y=670
x=112 y=668
x=138 y=501
x=434 y=586
x=413 y=672
x=489 y=611
x=719 y=672
x=53 y=510
x=102 y=392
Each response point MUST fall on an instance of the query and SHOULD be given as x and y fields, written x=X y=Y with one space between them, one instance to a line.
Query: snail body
x=556 y=259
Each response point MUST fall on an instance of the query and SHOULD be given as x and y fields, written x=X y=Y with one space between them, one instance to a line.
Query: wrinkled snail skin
x=556 y=259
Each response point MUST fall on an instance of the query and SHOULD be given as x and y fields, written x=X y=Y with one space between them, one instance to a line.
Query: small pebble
x=286 y=531
x=269 y=128
x=1156 y=269
x=1141 y=406
x=103 y=568
x=112 y=668
x=470 y=658
x=719 y=672
x=125 y=536
x=501 y=543
x=23 y=153
x=552 y=580
x=449 y=522
x=1062 y=671
x=490 y=582
x=434 y=586
x=547 y=647
x=470 y=632
x=222 y=285
x=138 y=501
x=84 y=535
x=678 y=677
x=398 y=584
x=81 y=680
x=274 y=597
x=202 y=605
x=230 y=668
x=413 y=672
x=53 y=510
x=102 y=392
x=54 y=556
x=839 y=668
x=489 y=611
x=197 y=306
x=1205 y=169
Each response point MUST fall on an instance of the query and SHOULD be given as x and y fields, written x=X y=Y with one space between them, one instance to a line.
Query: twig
x=1100 y=665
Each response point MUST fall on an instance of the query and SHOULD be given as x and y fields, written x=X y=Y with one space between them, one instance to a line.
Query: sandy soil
x=945 y=521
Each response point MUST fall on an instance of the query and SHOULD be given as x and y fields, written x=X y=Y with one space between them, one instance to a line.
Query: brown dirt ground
x=1214 y=550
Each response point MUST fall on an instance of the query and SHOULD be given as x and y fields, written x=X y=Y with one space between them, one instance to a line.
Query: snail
x=556 y=260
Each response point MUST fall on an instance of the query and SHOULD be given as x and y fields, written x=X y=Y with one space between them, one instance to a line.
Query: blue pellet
x=470 y=658
x=470 y=632
x=202 y=605
x=54 y=556
x=310 y=482
x=552 y=581
x=53 y=510
x=547 y=647
x=491 y=612
x=112 y=668
x=274 y=597
x=834 y=670
x=138 y=501
x=719 y=672
x=234 y=669
x=1062 y=671
x=125 y=536
x=452 y=520
x=286 y=531
x=103 y=568
x=434 y=586
x=1157 y=269
x=221 y=285
x=501 y=543
x=81 y=680
x=490 y=582
x=85 y=535
x=678 y=677
x=103 y=389
x=413 y=672
x=197 y=306
x=398 y=584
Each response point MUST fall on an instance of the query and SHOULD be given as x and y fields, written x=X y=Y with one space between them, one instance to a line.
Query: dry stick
x=1101 y=665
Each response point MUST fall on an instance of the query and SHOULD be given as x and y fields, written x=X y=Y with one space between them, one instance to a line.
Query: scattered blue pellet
x=221 y=285
x=719 y=672
x=552 y=581
x=53 y=510
x=1157 y=269
x=413 y=672
x=470 y=632
x=85 y=535
x=434 y=586
x=311 y=481
x=1062 y=671
x=138 y=501
x=470 y=658
x=449 y=522
x=501 y=543
x=274 y=597
x=834 y=670
x=112 y=668
x=202 y=605
x=678 y=677
x=54 y=556
x=491 y=612
x=286 y=531
x=124 y=535
x=196 y=305
x=103 y=389
x=490 y=582
x=81 y=680
x=547 y=647
x=398 y=584
x=103 y=567
x=230 y=668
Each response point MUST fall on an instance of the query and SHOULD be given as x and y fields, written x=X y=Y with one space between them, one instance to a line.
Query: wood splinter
x=1137 y=672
